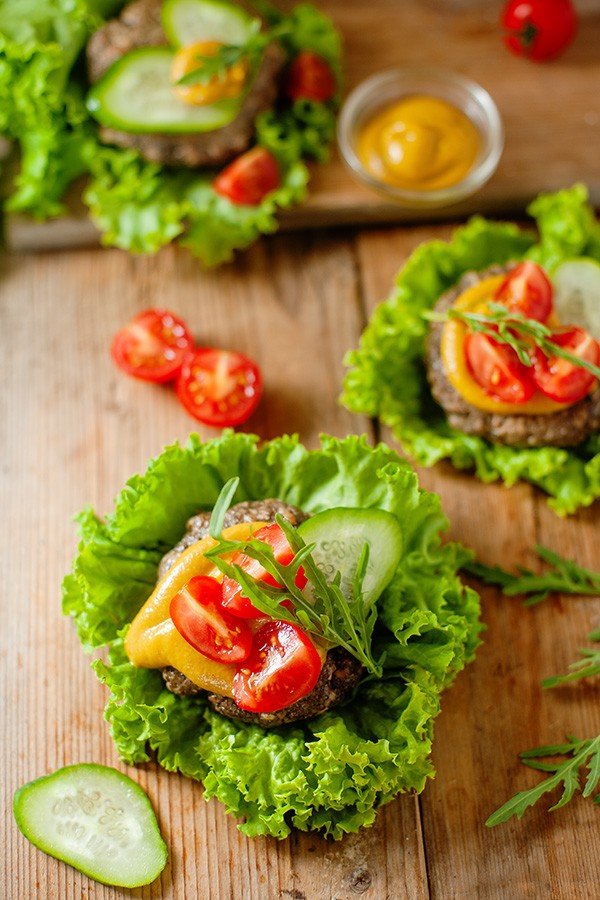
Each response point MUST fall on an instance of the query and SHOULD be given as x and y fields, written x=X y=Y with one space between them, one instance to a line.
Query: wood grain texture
x=552 y=105
x=74 y=429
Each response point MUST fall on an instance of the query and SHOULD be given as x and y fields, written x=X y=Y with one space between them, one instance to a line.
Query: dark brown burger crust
x=139 y=25
x=565 y=428
x=341 y=672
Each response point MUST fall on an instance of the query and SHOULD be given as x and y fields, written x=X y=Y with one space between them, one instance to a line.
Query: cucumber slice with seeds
x=340 y=535
x=577 y=294
x=95 y=819
x=135 y=95
x=188 y=21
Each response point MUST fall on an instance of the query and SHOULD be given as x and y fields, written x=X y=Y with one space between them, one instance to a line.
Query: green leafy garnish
x=515 y=330
x=327 y=612
x=579 y=755
x=564 y=576
x=586 y=667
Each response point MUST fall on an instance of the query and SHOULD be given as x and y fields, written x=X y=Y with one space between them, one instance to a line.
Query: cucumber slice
x=577 y=294
x=341 y=533
x=95 y=819
x=188 y=21
x=135 y=95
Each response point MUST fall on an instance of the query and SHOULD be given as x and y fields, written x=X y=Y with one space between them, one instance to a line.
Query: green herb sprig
x=216 y=65
x=564 y=576
x=586 y=667
x=517 y=331
x=579 y=755
x=323 y=610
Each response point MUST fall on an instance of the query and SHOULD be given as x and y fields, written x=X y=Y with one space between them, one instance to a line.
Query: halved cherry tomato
x=283 y=666
x=219 y=387
x=309 y=77
x=198 y=615
x=233 y=599
x=539 y=29
x=152 y=346
x=560 y=379
x=527 y=290
x=497 y=369
x=249 y=178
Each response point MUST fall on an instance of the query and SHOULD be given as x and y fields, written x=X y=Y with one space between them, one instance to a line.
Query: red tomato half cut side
x=199 y=617
x=221 y=388
x=527 y=290
x=497 y=369
x=152 y=346
x=560 y=379
x=233 y=599
x=248 y=179
x=283 y=666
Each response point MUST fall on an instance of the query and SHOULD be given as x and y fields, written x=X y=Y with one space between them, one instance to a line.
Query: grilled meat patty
x=341 y=671
x=139 y=25
x=564 y=428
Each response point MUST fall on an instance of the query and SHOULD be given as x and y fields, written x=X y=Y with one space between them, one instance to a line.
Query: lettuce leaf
x=386 y=376
x=136 y=205
x=331 y=773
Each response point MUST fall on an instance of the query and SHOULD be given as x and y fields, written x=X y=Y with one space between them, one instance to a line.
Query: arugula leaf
x=586 y=667
x=515 y=330
x=580 y=755
x=565 y=576
x=327 y=612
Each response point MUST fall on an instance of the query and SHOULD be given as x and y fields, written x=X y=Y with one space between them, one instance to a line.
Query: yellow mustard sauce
x=153 y=642
x=420 y=143
x=452 y=352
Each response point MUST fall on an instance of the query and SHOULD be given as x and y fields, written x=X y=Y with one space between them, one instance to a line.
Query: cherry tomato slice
x=527 y=290
x=283 y=666
x=539 y=29
x=198 y=615
x=152 y=346
x=309 y=77
x=248 y=179
x=233 y=599
x=221 y=388
x=497 y=369
x=560 y=379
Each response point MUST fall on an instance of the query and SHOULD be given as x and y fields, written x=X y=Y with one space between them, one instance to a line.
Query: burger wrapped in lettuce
x=278 y=623
x=487 y=352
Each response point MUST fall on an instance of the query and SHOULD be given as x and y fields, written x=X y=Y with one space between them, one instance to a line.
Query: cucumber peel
x=339 y=536
x=577 y=293
x=97 y=820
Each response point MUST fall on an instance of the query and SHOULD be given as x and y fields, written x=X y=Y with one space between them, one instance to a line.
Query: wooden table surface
x=74 y=429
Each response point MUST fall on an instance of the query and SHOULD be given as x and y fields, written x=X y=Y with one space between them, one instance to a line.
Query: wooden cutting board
x=551 y=113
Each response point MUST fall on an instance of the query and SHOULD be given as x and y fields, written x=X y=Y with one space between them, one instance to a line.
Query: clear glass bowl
x=385 y=88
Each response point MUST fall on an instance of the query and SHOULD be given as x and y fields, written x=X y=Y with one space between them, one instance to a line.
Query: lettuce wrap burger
x=279 y=624
x=487 y=352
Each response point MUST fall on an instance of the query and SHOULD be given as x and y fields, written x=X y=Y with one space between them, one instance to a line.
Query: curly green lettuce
x=329 y=774
x=386 y=377
x=136 y=205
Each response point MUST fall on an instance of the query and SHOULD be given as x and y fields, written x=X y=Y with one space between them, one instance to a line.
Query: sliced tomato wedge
x=219 y=387
x=527 y=290
x=497 y=369
x=309 y=77
x=249 y=178
x=152 y=346
x=560 y=379
x=233 y=599
x=283 y=666
x=199 y=617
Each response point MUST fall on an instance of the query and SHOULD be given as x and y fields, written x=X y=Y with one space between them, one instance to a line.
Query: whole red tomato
x=539 y=29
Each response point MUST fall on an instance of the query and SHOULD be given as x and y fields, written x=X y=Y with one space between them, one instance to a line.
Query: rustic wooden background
x=74 y=428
